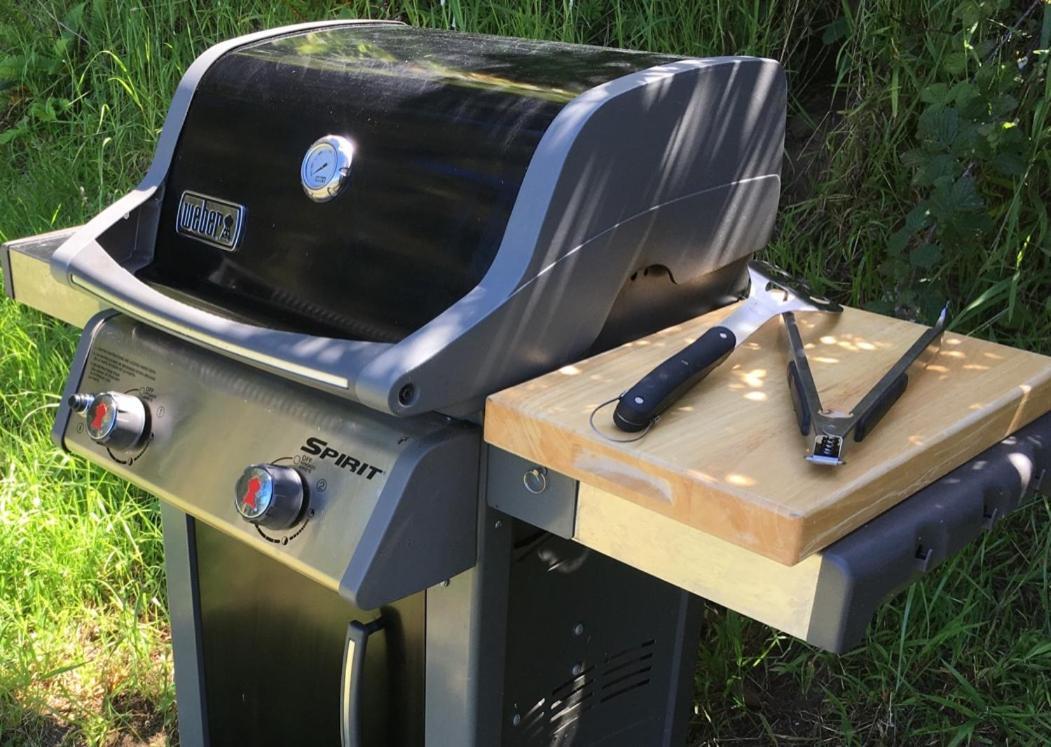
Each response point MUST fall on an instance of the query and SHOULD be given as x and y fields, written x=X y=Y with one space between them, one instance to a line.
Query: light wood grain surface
x=781 y=596
x=728 y=458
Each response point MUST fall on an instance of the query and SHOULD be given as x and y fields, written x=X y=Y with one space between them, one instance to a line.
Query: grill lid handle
x=320 y=361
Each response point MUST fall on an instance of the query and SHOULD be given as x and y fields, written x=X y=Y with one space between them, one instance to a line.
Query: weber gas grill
x=350 y=235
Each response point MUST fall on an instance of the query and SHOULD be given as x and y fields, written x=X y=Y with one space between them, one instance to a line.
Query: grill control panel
x=374 y=506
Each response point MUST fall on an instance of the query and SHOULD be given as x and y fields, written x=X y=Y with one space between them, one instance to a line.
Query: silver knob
x=270 y=496
x=116 y=420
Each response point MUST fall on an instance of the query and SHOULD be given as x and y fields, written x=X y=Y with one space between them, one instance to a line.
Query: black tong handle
x=658 y=389
x=879 y=406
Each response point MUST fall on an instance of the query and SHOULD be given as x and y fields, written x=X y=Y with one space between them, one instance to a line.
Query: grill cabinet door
x=272 y=643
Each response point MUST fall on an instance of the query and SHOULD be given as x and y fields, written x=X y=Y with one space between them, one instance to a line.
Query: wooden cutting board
x=727 y=459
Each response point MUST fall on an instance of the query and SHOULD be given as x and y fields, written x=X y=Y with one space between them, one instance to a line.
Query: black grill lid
x=444 y=125
x=422 y=287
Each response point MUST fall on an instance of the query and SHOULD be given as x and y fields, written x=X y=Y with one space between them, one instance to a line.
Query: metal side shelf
x=28 y=279
x=880 y=558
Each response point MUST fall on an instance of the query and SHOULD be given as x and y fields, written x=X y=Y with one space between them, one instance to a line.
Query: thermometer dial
x=325 y=167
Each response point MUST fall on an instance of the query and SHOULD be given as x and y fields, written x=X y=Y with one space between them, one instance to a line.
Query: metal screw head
x=516 y=719
x=577 y=669
x=578 y=629
x=535 y=480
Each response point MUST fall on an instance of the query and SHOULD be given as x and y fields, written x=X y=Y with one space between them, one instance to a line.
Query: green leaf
x=939 y=127
x=937 y=169
x=46 y=64
x=1004 y=105
x=956 y=208
x=926 y=256
x=11 y=67
x=13 y=133
x=963 y=93
x=968 y=137
x=43 y=112
x=61 y=46
x=73 y=21
x=976 y=108
x=914 y=157
x=954 y=63
x=965 y=195
x=1009 y=163
x=984 y=48
x=917 y=218
x=935 y=93
x=969 y=12
x=898 y=241
x=837 y=30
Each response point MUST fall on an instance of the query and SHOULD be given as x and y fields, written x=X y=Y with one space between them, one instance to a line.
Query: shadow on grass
x=133 y=720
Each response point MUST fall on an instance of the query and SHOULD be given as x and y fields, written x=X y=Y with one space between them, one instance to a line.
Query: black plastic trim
x=864 y=568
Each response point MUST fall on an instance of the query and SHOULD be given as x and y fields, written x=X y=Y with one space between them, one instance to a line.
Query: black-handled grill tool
x=831 y=428
x=772 y=292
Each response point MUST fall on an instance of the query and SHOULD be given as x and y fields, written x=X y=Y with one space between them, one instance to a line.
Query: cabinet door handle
x=351 y=686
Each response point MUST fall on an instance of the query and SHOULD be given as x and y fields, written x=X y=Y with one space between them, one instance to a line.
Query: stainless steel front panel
x=210 y=417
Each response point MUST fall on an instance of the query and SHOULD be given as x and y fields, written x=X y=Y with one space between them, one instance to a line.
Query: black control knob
x=119 y=421
x=270 y=496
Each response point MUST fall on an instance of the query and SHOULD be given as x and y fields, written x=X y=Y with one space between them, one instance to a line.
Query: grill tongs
x=831 y=428
x=772 y=292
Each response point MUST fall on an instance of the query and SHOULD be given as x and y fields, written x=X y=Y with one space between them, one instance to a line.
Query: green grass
x=82 y=618
x=918 y=165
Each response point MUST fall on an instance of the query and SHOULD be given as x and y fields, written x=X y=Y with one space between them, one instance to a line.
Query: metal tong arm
x=805 y=398
x=864 y=416
x=871 y=401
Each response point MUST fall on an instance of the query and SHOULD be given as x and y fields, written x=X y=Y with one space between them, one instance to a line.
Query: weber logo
x=212 y=221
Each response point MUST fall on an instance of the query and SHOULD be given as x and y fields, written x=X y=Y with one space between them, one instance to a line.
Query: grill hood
x=443 y=127
x=509 y=206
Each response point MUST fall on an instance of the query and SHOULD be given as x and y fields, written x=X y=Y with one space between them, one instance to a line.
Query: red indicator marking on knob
x=253 y=487
x=100 y=415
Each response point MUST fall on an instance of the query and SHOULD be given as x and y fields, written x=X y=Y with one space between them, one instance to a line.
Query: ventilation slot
x=623 y=673
x=568 y=702
x=627 y=671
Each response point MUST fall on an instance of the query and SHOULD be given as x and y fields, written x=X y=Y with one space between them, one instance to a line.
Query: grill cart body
x=351 y=233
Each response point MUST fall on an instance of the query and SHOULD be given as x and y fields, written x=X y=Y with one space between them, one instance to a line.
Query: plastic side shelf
x=861 y=570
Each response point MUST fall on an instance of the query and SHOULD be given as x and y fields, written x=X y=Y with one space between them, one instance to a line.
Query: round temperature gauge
x=325 y=167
